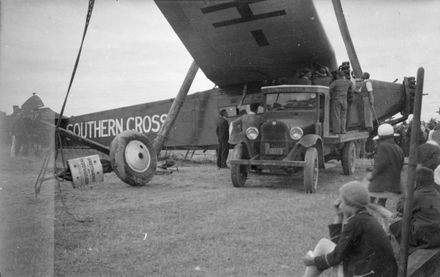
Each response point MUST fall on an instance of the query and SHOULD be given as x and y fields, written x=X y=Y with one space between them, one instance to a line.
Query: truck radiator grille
x=274 y=139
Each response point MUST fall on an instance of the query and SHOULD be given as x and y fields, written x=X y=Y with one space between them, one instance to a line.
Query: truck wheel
x=349 y=158
x=239 y=172
x=133 y=158
x=311 y=170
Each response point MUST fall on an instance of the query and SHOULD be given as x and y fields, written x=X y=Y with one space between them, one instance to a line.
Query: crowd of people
x=359 y=244
x=342 y=87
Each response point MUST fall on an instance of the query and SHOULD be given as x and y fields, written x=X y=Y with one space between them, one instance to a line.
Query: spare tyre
x=133 y=158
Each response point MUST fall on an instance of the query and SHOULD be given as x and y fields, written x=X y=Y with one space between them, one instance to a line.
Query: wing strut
x=175 y=108
x=343 y=27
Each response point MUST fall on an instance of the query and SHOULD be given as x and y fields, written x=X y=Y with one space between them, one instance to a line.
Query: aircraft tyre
x=349 y=158
x=311 y=170
x=133 y=158
x=239 y=172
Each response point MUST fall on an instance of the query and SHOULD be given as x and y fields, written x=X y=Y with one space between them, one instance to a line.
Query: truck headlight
x=252 y=133
x=296 y=133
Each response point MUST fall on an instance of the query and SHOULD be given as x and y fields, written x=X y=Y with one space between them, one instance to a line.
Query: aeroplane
x=240 y=46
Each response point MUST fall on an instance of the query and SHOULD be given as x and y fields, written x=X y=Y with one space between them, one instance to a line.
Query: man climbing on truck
x=340 y=93
x=366 y=92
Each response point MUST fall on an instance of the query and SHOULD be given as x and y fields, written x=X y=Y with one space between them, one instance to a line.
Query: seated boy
x=425 y=221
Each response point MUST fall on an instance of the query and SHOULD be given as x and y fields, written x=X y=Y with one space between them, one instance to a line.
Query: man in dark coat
x=388 y=163
x=425 y=218
x=222 y=131
x=361 y=245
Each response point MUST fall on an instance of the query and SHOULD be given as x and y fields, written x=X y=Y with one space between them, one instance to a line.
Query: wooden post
x=343 y=27
x=412 y=164
x=175 y=108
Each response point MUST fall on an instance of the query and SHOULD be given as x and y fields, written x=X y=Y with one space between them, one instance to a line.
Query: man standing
x=340 y=89
x=388 y=163
x=222 y=131
x=366 y=92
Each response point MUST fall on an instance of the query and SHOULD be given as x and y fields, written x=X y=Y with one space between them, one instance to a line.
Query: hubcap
x=137 y=156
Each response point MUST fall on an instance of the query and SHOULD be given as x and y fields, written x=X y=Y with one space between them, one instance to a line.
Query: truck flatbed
x=349 y=136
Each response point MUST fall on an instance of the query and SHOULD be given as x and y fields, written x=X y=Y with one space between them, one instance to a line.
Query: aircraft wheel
x=311 y=170
x=133 y=158
x=239 y=172
x=349 y=158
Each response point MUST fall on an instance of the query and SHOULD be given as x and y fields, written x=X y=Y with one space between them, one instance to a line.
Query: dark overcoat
x=362 y=246
x=222 y=130
x=388 y=163
x=425 y=221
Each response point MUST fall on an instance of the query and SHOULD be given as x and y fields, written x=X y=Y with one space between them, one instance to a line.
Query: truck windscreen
x=290 y=101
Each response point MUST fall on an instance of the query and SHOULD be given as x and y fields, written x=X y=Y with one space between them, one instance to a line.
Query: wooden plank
x=269 y=162
x=424 y=263
x=349 y=136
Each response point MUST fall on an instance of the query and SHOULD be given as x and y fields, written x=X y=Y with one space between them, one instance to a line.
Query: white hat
x=384 y=131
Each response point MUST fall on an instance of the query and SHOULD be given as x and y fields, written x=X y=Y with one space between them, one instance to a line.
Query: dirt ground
x=192 y=222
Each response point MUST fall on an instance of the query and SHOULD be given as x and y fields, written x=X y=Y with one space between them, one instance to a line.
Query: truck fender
x=309 y=140
x=247 y=149
x=314 y=140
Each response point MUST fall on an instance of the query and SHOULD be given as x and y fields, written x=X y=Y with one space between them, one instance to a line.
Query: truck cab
x=294 y=135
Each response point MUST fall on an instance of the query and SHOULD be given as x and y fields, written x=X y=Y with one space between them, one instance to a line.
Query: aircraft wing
x=240 y=41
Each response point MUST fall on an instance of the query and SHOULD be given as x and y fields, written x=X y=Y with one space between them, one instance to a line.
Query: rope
x=39 y=181
x=66 y=209
x=89 y=15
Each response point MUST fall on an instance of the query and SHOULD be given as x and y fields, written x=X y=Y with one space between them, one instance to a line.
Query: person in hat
x=305 y=78
x=322 y=77
x=359 y=245
x=388 y=162
x=434 y=139
x=366 y=92
x=222 y=132
x=428 y=153
x=424 y=230
x=340 y=90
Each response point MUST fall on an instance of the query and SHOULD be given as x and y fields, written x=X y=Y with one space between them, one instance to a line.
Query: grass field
x=193 y=223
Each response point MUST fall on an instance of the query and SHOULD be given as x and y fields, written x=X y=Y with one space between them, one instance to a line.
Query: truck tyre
x=133 y=158
x=349 y=158
x=239 y=172
x=311 y=170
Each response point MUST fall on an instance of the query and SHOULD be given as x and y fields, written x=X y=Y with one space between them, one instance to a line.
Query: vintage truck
x=295 y=134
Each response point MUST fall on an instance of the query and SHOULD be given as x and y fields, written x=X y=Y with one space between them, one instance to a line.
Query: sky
x=131 y=55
